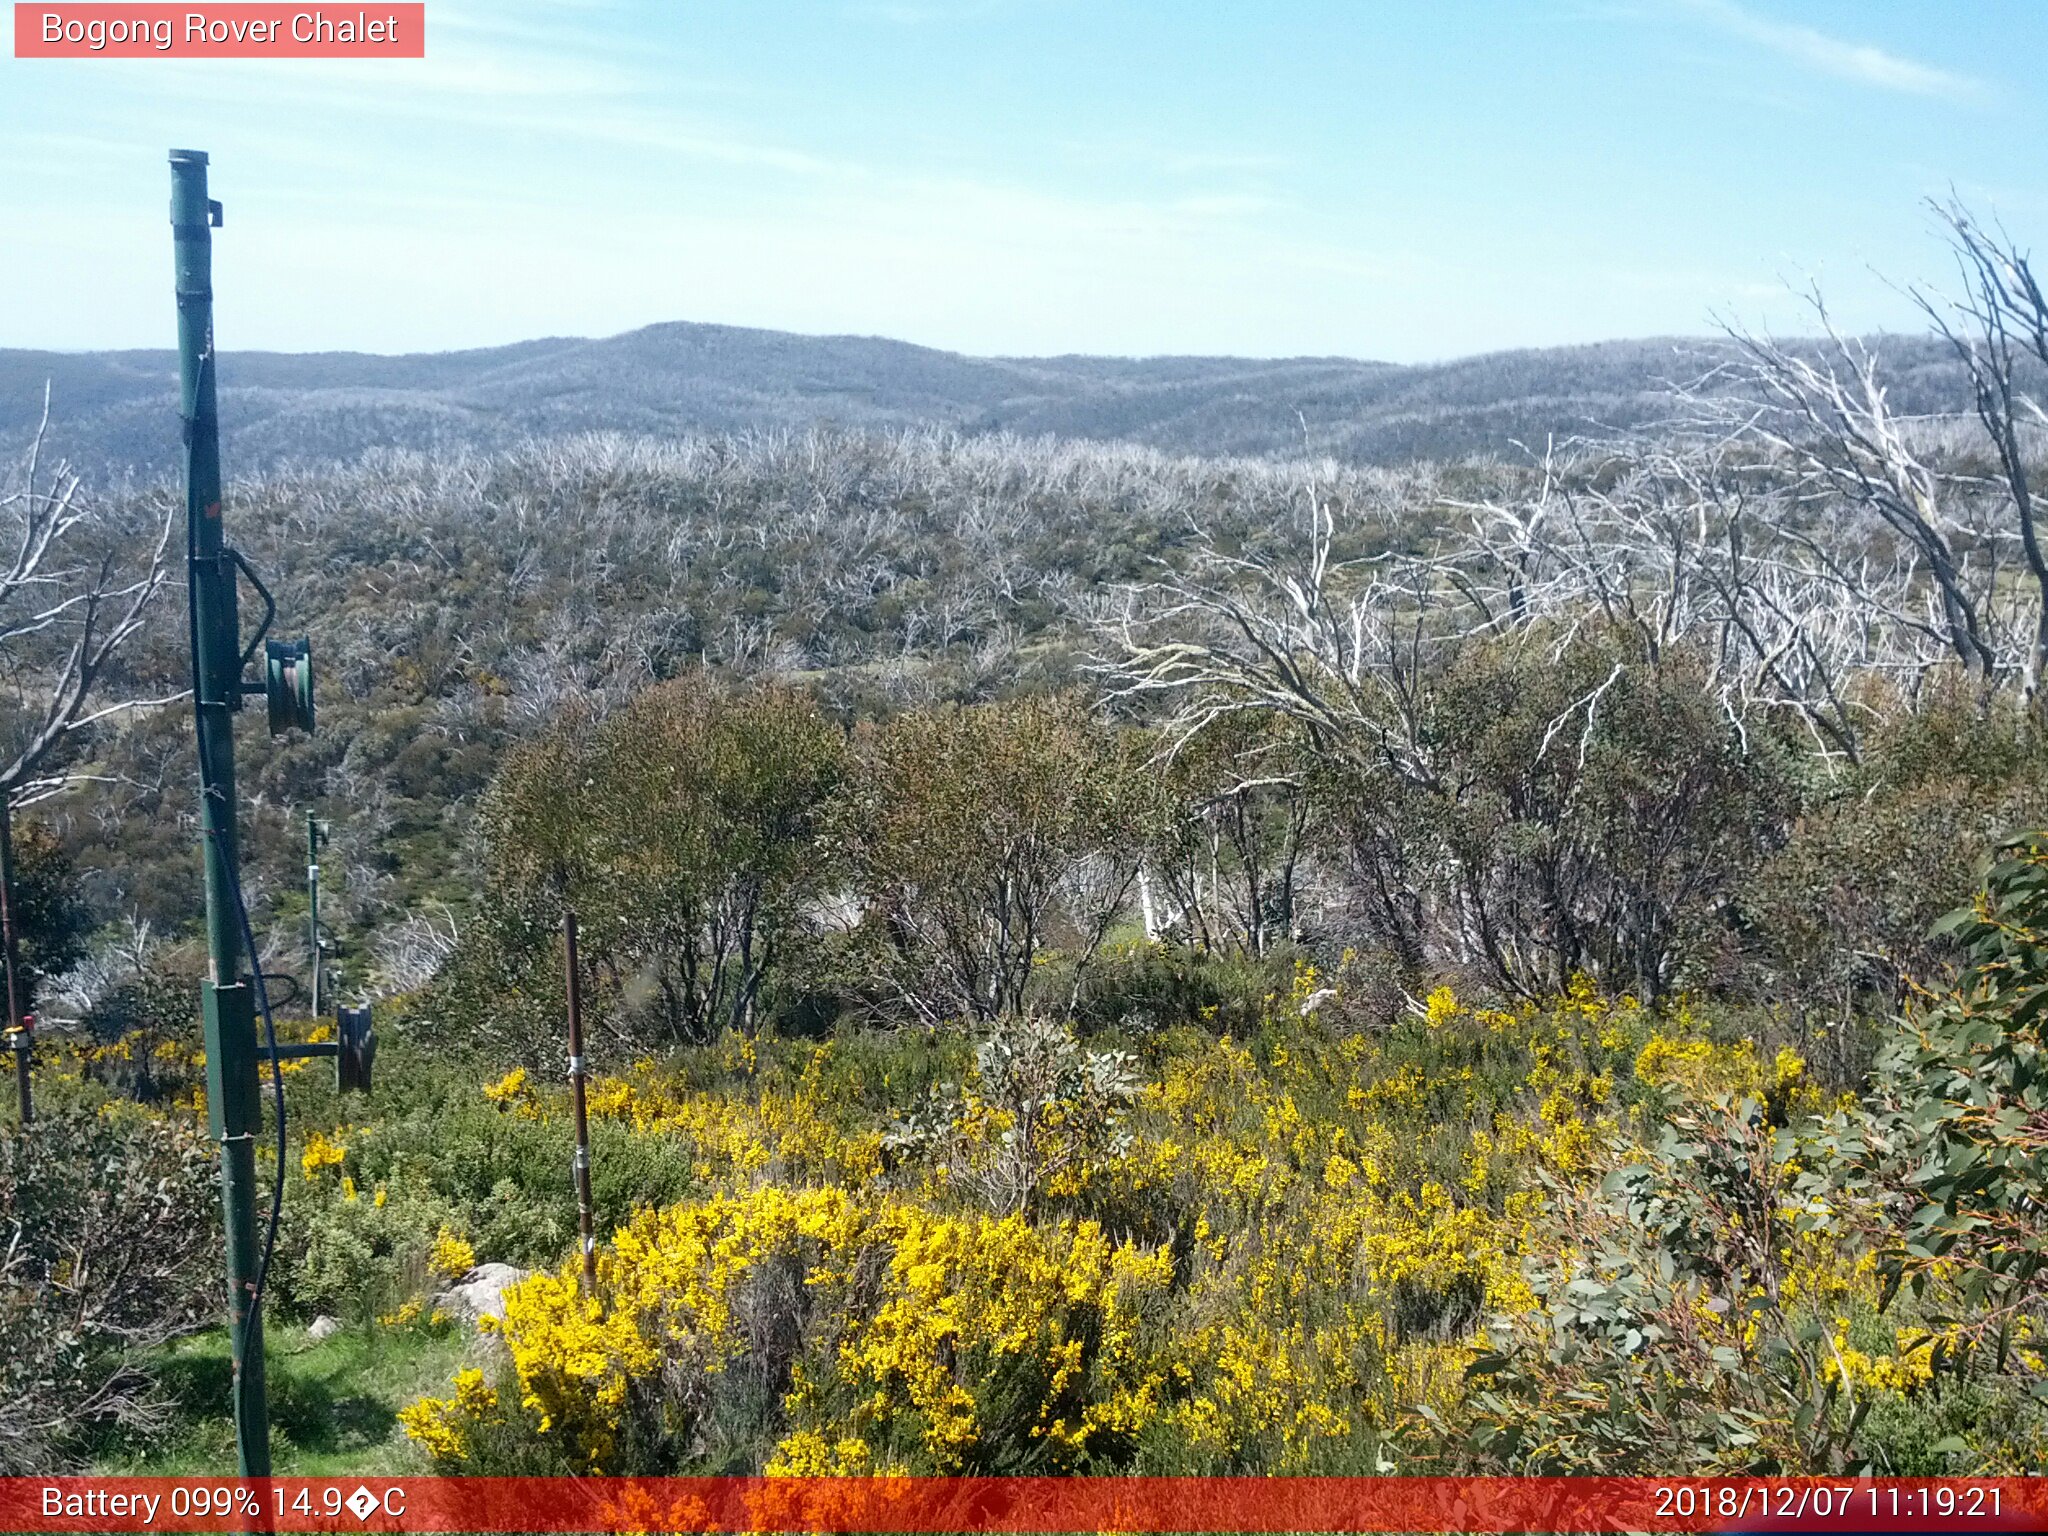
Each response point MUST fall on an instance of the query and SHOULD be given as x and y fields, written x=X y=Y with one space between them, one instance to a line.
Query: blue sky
x=1401 y=179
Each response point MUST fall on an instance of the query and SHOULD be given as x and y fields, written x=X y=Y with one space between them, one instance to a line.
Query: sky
x=1409 y=180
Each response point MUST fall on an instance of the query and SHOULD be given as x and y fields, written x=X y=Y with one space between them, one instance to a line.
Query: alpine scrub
x=1297 y=1251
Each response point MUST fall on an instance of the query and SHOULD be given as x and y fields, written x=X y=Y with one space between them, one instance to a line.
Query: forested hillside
x=118 y=409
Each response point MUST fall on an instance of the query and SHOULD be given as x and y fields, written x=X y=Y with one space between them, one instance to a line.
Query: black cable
x=277 y=1092
x=253 y=1317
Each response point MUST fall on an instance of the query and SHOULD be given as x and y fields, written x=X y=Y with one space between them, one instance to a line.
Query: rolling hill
x=118 y=409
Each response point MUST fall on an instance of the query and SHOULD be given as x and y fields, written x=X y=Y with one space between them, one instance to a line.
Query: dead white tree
x=1679 y=554
x=1681 y=541
x=1339 y=646
x=75 y=587
x=412 y=954
x=1997 y=324
x=1826 y=414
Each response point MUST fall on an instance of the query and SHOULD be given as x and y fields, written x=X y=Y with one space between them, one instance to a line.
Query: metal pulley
x=288 y=684
x=355 y=1049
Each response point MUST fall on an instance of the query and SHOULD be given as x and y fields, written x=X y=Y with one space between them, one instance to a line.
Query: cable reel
x=288 y=684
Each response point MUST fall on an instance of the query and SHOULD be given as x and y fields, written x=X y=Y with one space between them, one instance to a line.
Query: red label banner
x=1020 y=1504
x=238 y=31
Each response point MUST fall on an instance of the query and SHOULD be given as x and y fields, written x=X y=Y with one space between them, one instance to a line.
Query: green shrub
x=1138 y=989
x=1667 y=1338
x=979 y=839
x=1841 y=919
x=357 y=1256
x=1038 y=1106
x=1952 y=1149
x=500 y=1179
x=109 y=1246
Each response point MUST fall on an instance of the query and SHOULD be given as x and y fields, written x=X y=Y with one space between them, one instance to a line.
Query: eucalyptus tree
x=682 y=829
x=979 y=838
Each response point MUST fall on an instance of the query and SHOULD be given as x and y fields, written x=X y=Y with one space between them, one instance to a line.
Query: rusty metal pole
x=10 y=954
x=577 y=1078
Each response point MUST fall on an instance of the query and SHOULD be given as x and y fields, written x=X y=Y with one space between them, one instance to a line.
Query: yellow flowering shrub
x=507 y=1088
x=1440 y=1008
x=912 y=1325
x=321 y=1153
x=1295 y=1243
x=781 y=1132
x=433 y=1422
x=1907 y=1369
x=452 y=1257
x=1699 y=1067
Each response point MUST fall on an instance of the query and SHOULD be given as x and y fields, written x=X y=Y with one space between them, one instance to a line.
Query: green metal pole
x=232 y=1098
x=313 y=902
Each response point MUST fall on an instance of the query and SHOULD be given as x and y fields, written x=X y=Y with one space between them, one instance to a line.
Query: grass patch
x=333 y=1402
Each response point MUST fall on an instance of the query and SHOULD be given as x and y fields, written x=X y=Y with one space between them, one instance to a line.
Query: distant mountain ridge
x=118 y=410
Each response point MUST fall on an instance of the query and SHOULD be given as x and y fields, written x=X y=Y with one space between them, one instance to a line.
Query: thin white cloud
x=919 y=13
x=1864 y=63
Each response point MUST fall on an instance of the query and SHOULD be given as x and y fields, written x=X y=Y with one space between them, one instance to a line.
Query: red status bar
x=1020 y=1504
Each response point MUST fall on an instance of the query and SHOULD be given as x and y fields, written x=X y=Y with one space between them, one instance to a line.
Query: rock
x=323 y=1327
x=481 y=1292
